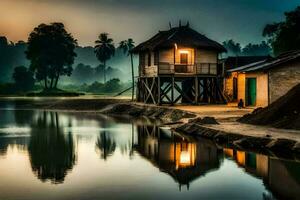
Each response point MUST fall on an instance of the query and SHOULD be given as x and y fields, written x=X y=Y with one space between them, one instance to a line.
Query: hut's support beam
x=148 y=89
x=172 y=90
x=196 y=90
x=158 y=91
x=192 y=90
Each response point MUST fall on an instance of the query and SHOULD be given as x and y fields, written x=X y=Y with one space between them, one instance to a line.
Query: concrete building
x=261 y=83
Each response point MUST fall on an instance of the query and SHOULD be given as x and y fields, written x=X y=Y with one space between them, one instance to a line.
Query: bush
x=23 y=78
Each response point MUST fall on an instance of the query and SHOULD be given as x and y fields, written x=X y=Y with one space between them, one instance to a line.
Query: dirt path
x=226 y=115
x=256 y=131
x=221 y=112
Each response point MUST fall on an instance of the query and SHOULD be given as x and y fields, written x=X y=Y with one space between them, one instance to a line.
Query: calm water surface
x=50 y=155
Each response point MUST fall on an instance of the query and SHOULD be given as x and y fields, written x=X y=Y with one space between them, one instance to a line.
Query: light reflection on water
x=88 y=156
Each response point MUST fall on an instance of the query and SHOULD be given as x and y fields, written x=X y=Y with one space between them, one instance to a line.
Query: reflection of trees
x=23 y=117
x=105 y=145
x=51 y=152
x=3 y=146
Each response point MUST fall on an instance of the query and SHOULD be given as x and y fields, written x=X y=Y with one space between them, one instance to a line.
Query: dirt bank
x=192 y=123
x=58 y=103
x=283 y=113
x=166 y=115
x=281 y=143
x=280 y=147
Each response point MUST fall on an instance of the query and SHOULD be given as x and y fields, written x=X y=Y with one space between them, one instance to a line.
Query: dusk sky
x=241 y=20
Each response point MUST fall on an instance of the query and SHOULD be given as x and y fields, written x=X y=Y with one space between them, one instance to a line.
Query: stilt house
x=179 y=65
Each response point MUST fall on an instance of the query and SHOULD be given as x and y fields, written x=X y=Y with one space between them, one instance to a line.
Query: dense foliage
x=11 y=55
x=285 y=36
x=112 y=86
x=235 y=49
x=51 y=52
x=24 y=80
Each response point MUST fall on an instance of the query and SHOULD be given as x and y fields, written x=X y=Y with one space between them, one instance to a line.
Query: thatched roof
x=181 y=36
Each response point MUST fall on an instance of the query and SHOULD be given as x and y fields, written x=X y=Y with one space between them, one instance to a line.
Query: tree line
x=51 y=50
x=235 y=49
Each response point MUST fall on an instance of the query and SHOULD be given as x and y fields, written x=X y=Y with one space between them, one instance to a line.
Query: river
x=74 y=155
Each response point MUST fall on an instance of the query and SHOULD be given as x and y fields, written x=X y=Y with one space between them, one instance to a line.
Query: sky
x=241 y=20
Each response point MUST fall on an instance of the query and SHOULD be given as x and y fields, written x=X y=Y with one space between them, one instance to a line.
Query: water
x=50 y=155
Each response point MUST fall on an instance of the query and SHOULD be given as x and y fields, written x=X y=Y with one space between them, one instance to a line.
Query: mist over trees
x=24 y=79
x=115 y=63
x=88 y=74
x=235 y=49
x=11 y=55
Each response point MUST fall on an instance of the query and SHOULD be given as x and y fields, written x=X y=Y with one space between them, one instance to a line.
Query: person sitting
x=241 y=104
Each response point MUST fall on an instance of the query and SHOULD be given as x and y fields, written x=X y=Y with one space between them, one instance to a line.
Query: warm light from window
x=185 y=157
x=184 y=51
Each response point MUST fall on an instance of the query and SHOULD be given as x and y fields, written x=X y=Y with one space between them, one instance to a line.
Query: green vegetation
x=51 y=52
x=88 y=74
x=111 y=87
x=104 y=50
x=127 y=46
x=23 y=78
x=12 y=55
x=45 y=62
x=235 y=49
x=284 y=36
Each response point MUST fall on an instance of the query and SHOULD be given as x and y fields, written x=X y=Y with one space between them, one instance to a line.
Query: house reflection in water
x=184 y=159
x=282 y=177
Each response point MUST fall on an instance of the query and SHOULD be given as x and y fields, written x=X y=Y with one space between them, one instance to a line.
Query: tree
x=284 y=36
x=261 y=49
x=23 y=78
x=6 y=59
x=113 y=85
x=83 y=73
x=233 y=48
x=52 y=152
x=51 y=52
x=104 y=50
x=105 y=145
x=127 y=46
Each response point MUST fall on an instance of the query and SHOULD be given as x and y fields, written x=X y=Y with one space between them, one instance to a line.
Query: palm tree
x=105 y=145
x=126 y=46
x=104 y=50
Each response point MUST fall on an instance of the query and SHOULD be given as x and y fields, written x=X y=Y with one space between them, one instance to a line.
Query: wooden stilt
x=196 y=90
x=158 y=91
x=172 y=90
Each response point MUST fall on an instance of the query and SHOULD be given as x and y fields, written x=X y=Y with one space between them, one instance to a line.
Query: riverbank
x=226 y=130
x=221 y=127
